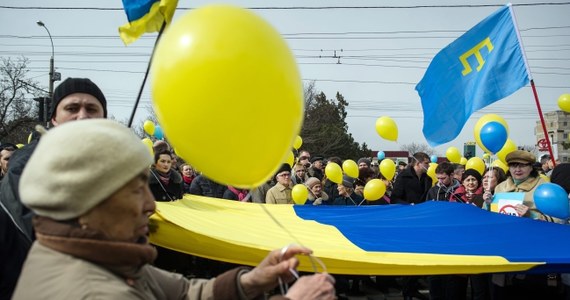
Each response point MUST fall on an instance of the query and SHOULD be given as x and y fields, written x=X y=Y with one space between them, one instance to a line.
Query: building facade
x=558 y=128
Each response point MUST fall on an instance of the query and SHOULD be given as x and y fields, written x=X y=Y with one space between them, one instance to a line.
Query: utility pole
x=53 y=76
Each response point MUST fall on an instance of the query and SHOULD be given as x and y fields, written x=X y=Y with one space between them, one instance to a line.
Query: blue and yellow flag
x=484 y=65
x=145 y=16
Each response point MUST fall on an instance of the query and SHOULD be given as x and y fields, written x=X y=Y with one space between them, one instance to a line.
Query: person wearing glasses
x=281 y=192
x=523 y=178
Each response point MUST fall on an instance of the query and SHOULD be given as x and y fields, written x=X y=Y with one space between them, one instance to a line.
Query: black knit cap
x=77 y=85
x=472 y=172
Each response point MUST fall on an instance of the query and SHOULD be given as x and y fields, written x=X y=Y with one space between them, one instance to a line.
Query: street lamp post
x=53 y=76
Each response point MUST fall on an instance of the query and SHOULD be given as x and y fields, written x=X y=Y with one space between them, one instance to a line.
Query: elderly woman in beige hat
x=91 y=223
x=522 y=177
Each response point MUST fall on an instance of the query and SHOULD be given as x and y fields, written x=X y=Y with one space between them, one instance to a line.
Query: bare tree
x=414 y=147
x=18 y=110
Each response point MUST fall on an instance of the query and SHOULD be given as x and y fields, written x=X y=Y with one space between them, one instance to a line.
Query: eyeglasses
x=518 y=165
x=284 y=175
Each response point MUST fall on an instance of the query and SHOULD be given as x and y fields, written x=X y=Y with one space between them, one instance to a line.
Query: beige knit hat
x=78 y=165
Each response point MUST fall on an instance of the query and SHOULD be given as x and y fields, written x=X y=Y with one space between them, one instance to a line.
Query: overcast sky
x=384 y=48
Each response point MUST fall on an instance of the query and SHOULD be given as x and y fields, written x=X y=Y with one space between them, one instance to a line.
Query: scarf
x=164 y=177
x=122 y=258
x=187 y=180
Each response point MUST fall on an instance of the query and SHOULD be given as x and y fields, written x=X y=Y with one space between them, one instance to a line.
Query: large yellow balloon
x=350 y=168
x=564 y=102
x=374 y=190
x=463 y=161
x=333 y=172
x=299 y=193
x=227 y=72
x=298 y=143
x=499 y=164
x=453 y=155
x=148 y=127
x=509 y=147
x=484 y=120
x=387 y=128
x=388 y=168
x=477 y=164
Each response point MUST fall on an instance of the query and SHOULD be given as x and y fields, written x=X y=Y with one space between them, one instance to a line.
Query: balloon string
x=132 y=117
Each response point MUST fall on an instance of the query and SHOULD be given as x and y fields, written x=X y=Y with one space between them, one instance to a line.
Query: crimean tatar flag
x=145 y=16
x=484 y=65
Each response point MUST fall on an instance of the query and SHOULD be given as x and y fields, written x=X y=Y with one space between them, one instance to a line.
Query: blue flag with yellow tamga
x=484 y=65
x=145 y=16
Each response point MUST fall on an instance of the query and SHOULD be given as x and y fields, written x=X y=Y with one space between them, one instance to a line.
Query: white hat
x=78 y=165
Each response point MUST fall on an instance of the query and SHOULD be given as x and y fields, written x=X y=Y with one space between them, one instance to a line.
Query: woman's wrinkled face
x=470 y=183
x=124 y=215
x=316 y=189
x=164 y=163
x=490 y=180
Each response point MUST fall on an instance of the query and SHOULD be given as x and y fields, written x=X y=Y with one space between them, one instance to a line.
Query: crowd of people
x=76 y=209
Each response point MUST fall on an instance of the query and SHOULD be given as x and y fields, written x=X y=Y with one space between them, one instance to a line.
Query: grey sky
x=385 y=52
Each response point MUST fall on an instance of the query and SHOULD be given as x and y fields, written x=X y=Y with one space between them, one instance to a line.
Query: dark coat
x=202 y=186
x=173 y=191
x=353 y=200
x=442 y=193
x=409 y=189
x=16 y=230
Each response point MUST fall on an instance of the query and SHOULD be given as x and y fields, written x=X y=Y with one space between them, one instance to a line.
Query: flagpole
x=532 y=84
x=542 y=122
x=145 y=75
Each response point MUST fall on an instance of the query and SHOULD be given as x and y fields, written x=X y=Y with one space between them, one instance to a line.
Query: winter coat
x=353 y=200
x=312 y=200
x=279 y=194
x=409 y=189
x=174 y=190
x=203 y=186
x=49 y=274
x=460 y=195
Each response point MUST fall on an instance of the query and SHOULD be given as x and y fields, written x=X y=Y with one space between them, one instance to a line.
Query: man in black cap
x=280 y=193
x=316 y=169
x=74 y=99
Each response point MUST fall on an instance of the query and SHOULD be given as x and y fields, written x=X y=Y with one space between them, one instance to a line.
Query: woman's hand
x=521 y=209
x=488 y=197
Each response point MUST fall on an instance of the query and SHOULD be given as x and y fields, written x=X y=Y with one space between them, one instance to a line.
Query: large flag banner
x=145 y=16
x=484 y=65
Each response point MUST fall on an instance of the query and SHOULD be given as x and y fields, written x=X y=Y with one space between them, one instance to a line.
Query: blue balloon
x=381 y=155
x=551 y=199
x=158 y=133
x=433 y=158
x=493 y=136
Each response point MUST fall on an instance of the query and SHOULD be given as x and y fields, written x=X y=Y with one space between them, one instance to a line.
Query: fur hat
x=86 y=162
x=347 y=181
x=77 y=85
x=284 y=167
x=520 y=156
x=311 y=182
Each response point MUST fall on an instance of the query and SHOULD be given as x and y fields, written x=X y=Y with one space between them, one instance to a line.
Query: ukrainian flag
x=145 y=16
x=429 y=238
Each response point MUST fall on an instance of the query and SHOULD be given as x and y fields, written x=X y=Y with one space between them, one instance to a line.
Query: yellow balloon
x=374 y=189
x=463 y=161
x=564 y=102
x=477 y=164
x=148 y=144
x=544 y=177
x=499 y=164
x=387 y=128
x=350 y=168
x=300 y=194
x=290 y=159
x=227 y=71
x=333 y=172
x=509 y=147
x=148 y=127
x=431 y=173
x=388 y=168
x=484 y=120
x=453 y=155
x=486 y=156
x=298 y=143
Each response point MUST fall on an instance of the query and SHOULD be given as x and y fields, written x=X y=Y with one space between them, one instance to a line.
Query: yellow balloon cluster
x=227 y=72
x=484 y=120
x=387 y=128
x=463 y=161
